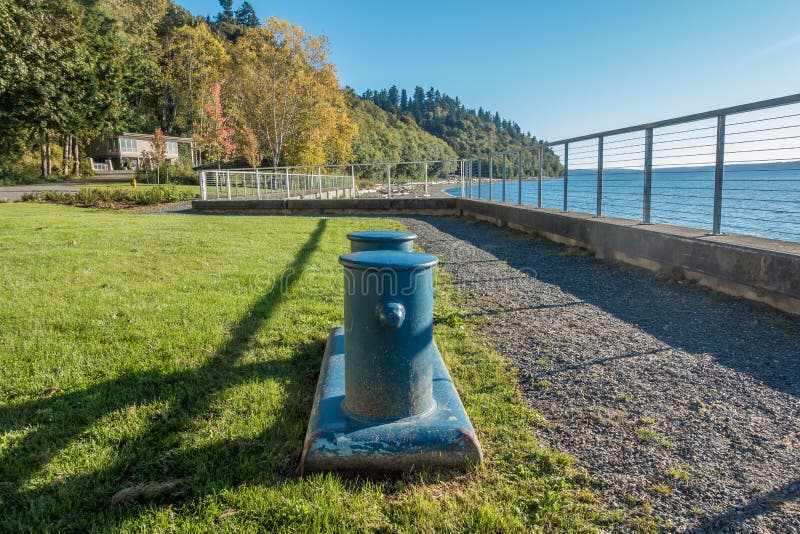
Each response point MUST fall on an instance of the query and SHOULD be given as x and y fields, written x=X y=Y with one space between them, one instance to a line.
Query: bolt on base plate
x=443 y=438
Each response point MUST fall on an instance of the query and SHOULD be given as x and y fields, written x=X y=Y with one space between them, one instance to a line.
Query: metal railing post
x=319 y=180
x=599 y=211
x=288 y=185
x=353 y=181
x=480 y=191
x=389 y=180
x=469 y=180
x=426 y=181
x=461 y=176
x=504 y=177
x=519 y=175
x=491 y=166
x=566 y=173
x=647 y=194
x=202 y=184
x=539 y=183
x=719 y=172
x=467 y=169
x=258 y=184
x=228 y=181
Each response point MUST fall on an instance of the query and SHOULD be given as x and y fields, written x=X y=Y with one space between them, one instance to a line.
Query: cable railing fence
x=263 y=184
x=732 y=170
x=381 y=179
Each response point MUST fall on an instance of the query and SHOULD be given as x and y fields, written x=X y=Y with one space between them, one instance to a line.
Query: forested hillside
x=247 y=89
x=382 y=136
x=468 y=132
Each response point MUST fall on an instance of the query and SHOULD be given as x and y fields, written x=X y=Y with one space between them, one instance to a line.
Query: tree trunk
x=76 y=161
x=48 y=164
x=42 y=155
x=65 y=161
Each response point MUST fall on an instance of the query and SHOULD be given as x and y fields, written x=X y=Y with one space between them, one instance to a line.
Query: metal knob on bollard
x=388 y=333
x=381 y=240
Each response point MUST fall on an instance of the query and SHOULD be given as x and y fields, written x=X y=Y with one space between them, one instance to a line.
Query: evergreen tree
x=246 y=15
x=393 y=98
x=226 y=15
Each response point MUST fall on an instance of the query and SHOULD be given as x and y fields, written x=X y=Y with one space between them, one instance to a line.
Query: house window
x=172 y=147
x=127 y=145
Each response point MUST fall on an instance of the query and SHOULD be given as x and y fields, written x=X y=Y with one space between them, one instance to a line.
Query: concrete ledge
x=340 y=206
x=764 y=270
x=239 y=206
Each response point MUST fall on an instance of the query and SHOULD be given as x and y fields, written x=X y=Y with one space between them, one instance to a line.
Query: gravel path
x=683 y=403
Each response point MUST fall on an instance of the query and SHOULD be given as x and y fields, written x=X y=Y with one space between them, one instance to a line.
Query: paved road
x=15 y=192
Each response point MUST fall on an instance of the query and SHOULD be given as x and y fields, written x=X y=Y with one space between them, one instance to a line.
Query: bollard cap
x=381 y=235
x=388 y=259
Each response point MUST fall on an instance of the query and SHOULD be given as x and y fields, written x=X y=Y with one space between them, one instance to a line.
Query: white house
x=129 y=150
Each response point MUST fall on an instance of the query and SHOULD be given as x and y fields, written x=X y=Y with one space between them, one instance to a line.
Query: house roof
x=149 y=137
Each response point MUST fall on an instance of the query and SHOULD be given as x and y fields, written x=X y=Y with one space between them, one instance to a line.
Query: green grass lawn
x=157 y=373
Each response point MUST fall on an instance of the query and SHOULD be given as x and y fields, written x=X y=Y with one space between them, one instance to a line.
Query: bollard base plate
x=335 y=442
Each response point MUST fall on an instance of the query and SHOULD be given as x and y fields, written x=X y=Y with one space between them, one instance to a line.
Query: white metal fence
x=268 y=183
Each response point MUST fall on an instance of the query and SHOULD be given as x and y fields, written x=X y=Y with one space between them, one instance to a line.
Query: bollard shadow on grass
x=83 y=500
x=744 y=336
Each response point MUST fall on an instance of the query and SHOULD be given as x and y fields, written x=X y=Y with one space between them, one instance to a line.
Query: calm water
x=761 y=200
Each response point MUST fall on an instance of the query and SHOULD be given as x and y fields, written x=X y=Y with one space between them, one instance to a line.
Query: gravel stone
x=682 y=402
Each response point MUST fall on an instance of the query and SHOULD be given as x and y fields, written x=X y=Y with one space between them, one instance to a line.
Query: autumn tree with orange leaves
x=215 y=136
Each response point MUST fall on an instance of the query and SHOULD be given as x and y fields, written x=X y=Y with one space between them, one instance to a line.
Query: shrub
x=108 y=197
x=182 y=173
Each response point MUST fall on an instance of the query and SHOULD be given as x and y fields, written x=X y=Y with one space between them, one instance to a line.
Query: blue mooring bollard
x=389 y=404
x=381 y=240
x=388 y=334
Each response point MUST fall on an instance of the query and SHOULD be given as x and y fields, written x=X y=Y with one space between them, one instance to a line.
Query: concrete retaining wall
x=341 y=206
x=763 y=270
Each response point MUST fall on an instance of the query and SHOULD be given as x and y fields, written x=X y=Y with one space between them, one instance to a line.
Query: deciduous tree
x=215 y=136
x=249 y=148
x=159 y=152
x=288 y=94
x=194 y=60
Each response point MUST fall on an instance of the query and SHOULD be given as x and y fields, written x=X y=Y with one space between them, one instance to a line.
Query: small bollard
x=381 y=240
x=389 y=404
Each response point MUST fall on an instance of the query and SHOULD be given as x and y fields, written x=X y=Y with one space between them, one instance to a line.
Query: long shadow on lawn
x=743 y=336
x=83 y=500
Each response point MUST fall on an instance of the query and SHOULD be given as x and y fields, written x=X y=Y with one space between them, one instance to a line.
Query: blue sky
x=561 y=68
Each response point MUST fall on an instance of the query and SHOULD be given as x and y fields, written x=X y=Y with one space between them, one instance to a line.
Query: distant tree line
x=469 y=132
